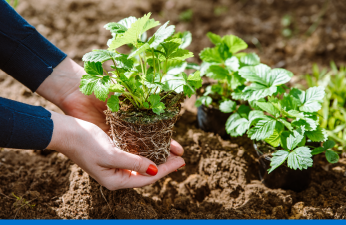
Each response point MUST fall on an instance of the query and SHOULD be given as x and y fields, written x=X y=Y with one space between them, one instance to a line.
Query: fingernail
x=152 y=170
x=176 y=170
x=182 y=166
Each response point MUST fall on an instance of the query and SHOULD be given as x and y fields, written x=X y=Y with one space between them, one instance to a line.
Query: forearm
x=25 y=54
x=24 y=126
x=64 y=80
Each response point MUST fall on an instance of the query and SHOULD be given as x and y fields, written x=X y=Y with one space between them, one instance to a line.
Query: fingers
x=128 y=161
x=119 y=179
x=176 y=148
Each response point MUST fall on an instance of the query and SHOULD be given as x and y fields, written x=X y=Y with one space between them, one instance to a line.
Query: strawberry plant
x=283 y=118
x=333 y=113
x=222 y=63
x=143 y=88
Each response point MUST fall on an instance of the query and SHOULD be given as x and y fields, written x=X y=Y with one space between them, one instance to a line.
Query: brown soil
x=220 y=179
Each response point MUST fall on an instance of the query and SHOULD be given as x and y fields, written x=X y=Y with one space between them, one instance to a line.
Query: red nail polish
x=182 y=166
x=152 y=170
x=176 y=170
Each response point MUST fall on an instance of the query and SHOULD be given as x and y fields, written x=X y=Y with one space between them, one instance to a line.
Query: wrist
x=64 y=80
x=63 y=136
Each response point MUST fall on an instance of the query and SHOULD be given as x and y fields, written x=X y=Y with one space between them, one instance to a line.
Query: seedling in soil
x=222 y=63
x=333 y=113
x=186 y=15
x=282 y=117
x=144 y=87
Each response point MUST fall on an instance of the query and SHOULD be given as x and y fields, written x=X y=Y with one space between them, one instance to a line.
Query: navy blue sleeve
x=30 y=58
x=24 y=53
x=24 y=126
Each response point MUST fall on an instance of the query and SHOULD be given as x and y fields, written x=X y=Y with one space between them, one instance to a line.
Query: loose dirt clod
x=151 y=140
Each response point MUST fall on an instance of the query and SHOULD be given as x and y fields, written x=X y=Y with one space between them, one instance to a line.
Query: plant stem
x=115 y=66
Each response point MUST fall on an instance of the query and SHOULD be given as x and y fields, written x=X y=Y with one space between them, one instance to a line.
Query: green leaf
x=294 y=139
x=203 y=100
x=300 y=158
x=93 y=68
x=186 y=38
x=236 y=125
x=328 y=144
x=211 y=55
x=311 y=106
x=154 y=99
x=214 y=38
x=193 y=66
x=99 y=55
x=246 y=112
x=278 y=158
x=317 y=150
x=146 y=105
x=318 y=135
x=314 y=94
x=113 y=103
x=116 y=88
x=139 y=51
x=274 y=139
x=123 y=62
x=217 y=72
x=310 y=124
x=161 y=34
x=295 y=114
x=127 y=22
x=250 y=59
x=132 y=34
x=234 y=81
x=278 y=76
x=98 y=85
x=256 y=74
x=263 y=129
x=195 y=80
x=287 y=124
x=227 y=106
x=331 y=156
x=232 y=63
x=264 y=81
x=170 y=46
x=157 y=106
x=115 y=28
x=298 y=94
x=269 y=108
x=175 y=67
x=181 y=54
x=151 y=23
x=288 y=102
x=234 y=43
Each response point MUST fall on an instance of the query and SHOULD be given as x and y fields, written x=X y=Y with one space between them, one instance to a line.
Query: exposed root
x=148 y=140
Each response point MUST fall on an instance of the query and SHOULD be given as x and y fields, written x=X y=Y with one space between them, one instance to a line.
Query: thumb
x=129 y=161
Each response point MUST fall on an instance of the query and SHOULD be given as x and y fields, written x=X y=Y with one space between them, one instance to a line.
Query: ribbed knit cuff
x=24 y=126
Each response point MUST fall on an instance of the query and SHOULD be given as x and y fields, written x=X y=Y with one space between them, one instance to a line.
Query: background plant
x=333 y=113
x=281 y=117
x=140 y=76
x=222 y=64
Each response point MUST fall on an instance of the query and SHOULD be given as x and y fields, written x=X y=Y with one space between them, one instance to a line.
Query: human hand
x=92 y=149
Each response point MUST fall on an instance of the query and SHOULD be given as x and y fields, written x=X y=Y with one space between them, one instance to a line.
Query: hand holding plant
x=144 y=89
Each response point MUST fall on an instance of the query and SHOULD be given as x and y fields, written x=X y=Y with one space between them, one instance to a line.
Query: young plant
x=284 y=119
x=222 y=63
x=333 y=113
x=140 y=77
